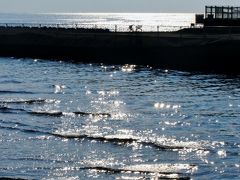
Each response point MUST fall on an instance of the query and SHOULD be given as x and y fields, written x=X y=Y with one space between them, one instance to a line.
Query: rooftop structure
x=216 y=12
x=219 y=16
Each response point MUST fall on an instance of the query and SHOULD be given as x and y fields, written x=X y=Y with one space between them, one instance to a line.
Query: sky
x=80 y=6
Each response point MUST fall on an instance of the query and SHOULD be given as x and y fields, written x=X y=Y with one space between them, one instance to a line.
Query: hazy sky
x=68 y=6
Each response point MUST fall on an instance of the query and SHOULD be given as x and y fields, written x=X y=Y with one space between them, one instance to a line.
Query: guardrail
x=110 y=27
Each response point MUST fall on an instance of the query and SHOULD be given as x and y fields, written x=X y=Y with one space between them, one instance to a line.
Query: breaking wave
x=59 y=113
x=25 y=130
x=163 y=171
x=14 y=92
x=31 y=101
x=5 y=109
x=158 y=142
x=54 y=113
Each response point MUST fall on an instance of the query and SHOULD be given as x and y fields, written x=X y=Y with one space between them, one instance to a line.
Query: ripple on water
x=167 y=171
x=29 y=101
x=122 y=136
x=128 y=68
x=59 y=88
x=125 y=120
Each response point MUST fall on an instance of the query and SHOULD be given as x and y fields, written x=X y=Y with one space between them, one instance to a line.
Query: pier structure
x=97 y=27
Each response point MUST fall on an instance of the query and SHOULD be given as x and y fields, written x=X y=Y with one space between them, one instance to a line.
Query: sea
x=68 y=120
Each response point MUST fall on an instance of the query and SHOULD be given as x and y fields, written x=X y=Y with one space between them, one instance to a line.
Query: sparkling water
x=95 y=121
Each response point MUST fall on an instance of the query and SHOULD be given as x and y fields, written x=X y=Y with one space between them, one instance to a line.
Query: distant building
x=219 y=16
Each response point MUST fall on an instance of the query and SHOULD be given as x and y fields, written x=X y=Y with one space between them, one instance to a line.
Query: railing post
x=205 y=34
x=115 y=28
x=158 y=28
x=180 y=33
x=230 y=33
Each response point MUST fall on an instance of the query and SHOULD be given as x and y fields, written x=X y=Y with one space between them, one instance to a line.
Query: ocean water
x=63 y=120
x=148 y=21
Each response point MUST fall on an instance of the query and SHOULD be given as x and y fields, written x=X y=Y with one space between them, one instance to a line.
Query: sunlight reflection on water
x=139 y=119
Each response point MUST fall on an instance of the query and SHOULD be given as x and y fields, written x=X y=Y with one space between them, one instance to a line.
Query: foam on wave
x=164 y=170
x=161 y=142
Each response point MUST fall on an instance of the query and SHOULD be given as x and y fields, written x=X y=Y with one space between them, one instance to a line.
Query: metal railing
x=110 y=27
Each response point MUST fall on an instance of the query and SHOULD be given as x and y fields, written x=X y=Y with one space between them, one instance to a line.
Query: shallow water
x=67 y=120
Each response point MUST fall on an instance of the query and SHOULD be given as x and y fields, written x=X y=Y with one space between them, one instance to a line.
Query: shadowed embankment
x=188 y=49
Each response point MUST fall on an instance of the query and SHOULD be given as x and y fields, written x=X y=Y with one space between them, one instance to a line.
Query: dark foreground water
x=65 y=120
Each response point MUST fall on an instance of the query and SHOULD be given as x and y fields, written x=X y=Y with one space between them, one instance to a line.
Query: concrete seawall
x=183 y=50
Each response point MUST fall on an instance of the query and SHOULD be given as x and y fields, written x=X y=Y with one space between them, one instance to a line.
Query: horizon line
x=99 y=12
